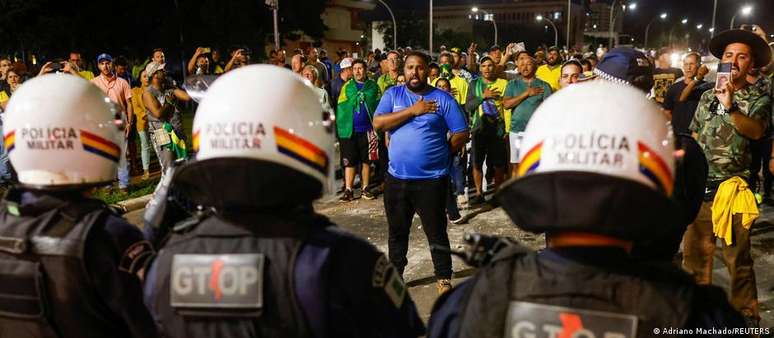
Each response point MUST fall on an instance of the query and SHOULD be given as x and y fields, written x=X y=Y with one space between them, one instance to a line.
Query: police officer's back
x=596 y=177
x=68 y=266
x=257 y=261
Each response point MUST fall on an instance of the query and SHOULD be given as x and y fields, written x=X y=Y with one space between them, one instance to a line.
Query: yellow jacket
x=733 y=197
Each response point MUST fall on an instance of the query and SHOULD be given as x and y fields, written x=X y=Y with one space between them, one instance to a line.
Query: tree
x=52 y=28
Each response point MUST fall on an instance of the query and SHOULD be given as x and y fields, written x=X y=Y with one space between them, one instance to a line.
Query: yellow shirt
x=139 y=108
x=550 y=75
x=88 y=75
x=733 y=197
x=500 y=85
x=459 y=89
x=4 y=97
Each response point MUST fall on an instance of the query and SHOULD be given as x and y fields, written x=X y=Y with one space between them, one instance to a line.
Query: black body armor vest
x=216 y=278
x=521 y=294
x=45 y=288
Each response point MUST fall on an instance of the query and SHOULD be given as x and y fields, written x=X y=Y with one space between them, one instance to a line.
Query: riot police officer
x=256 y=260
x=69 y=266
x=596 y=179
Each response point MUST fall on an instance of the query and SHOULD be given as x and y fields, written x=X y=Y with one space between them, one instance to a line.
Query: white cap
x=61 y=130
x=346 y=63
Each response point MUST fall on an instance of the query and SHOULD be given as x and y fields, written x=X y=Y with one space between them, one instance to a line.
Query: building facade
x=519 y=12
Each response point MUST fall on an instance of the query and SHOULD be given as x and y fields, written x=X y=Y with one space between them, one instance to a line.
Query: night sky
x=697 y=11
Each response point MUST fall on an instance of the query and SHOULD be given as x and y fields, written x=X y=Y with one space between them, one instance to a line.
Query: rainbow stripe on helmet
x=655 y=169
x=302 y=150
x=100 y=146
x=531 y=160
x=9 y=141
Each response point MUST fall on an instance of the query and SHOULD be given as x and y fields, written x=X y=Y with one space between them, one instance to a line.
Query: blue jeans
x=457 y=172
x=123 y=169
x=457 y=186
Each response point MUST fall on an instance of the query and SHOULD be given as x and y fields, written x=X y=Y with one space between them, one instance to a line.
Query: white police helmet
x=61 y=131
x=598 y=157
x=271 y=129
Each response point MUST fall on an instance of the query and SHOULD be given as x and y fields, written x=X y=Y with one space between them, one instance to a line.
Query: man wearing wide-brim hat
x=726 y=120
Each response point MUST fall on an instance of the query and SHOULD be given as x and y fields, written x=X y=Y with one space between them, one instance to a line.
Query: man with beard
x=342 y=76
x=419 y=117
x=523 y=96
x=120 y=93
x=725 y=121
x=551 y=72
x=485 y=108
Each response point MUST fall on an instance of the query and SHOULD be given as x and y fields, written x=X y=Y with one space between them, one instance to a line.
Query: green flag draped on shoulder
x=349 y=100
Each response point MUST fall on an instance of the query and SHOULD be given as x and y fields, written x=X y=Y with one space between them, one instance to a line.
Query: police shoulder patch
x=385 y=276
x=538 y=320
x=135 y=256
x=225 y=282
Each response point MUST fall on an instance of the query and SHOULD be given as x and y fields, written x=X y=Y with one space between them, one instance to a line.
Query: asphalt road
x=366 y=219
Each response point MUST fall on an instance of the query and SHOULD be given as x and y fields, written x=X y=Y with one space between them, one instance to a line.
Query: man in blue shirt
x=418 y=118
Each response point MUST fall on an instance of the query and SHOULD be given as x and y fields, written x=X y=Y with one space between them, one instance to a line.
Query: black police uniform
x=279 y=273
x=593 y=292
x=68 y=268
x=585 y=291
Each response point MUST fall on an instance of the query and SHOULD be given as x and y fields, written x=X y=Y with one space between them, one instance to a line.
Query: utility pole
x=431 y=29
x=274 y=4
x=569 y=17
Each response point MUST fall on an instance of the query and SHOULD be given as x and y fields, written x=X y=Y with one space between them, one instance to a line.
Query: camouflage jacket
x=727 y=151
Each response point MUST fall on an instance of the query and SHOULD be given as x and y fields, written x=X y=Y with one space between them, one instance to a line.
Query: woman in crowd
x=13 y=81
x=141 y=123
x=309 y=72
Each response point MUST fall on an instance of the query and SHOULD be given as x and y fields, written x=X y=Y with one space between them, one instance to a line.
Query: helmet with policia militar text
x=61 y=131
x=262 y=139
x=597 y=157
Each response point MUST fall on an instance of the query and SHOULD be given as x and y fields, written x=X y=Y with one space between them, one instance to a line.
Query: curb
x=132 y=204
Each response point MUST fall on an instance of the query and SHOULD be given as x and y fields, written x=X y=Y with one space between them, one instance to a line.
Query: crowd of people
x=617 y=156
x=475 y=138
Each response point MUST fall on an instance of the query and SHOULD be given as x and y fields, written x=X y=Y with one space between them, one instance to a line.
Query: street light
x=631 y=6
x=699 y=26
x=672 y=30
x=556 y=32
x=394 y=25
x=746 y=10
x=663 y=16
x=487 y=17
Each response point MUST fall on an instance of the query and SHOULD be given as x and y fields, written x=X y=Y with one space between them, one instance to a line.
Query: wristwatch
x=734 y=107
